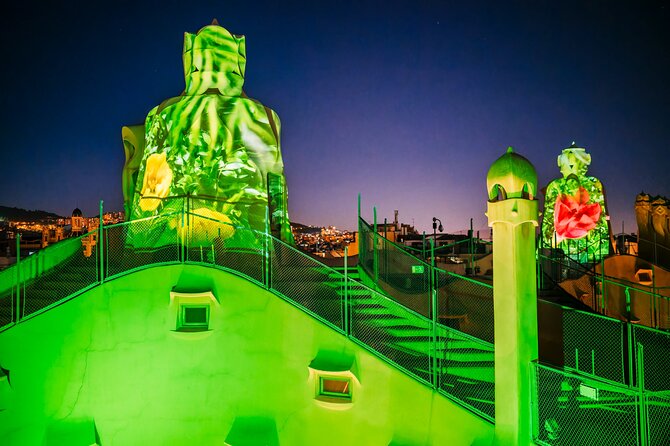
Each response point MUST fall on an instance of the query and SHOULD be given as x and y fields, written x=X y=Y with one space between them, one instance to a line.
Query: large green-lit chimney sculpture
x=513 y=214
x=212 y=143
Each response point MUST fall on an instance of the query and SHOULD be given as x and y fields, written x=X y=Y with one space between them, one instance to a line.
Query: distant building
x=77 y=222
x=52 y=234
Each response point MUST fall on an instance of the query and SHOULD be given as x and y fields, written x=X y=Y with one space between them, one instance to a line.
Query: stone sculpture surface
x=212 y=144
x=575 y=216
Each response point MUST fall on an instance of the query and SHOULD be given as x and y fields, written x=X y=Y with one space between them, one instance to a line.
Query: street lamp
x=435 y=227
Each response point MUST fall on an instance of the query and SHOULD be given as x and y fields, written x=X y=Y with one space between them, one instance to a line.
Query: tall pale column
x=513 y=214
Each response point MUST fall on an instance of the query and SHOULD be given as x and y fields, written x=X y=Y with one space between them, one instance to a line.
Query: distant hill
x=298 y=227
x=18 y=214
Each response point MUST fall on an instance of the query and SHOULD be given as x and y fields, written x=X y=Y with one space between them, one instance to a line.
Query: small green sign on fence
x=588 y=392
x=417 y=269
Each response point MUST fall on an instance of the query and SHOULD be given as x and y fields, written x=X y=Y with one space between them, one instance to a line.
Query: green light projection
x=212 y=143
x=575 y=218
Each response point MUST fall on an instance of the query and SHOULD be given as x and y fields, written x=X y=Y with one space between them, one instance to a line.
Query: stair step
x=467 y=356
x=408 y=330
x=423 y=346
x=471 y=375
x=381 y=320
x=370 y=308
x=338 y=274
x=485 y=374
x=356 y=292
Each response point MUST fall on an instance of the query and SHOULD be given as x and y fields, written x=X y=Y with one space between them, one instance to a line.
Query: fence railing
x=578 y=349
x=462 y=303
x=442 y=340
x=582 y=409
x=407 y=337
x=619 y=298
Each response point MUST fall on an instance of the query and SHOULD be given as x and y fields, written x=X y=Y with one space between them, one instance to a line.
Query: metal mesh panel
x=658 y=419
x=219 y=243
x=140 y=243
x=663 y=309
x=397 y=334
x=249 y=214
x=655 y=356
x=404 y=277
x=466 y=305
x=307 y=283
x=638 y=305
x=467 y=370
x=365 y=248
x=593 y=344
x=52 y=275
x=8 y=292
x=572 y=410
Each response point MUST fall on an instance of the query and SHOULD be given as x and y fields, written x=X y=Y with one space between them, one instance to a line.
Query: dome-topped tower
x=511 y=176
x=512 y=213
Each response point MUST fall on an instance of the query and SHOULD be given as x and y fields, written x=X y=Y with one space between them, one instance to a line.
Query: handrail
x=121 y=250
x=393 y=307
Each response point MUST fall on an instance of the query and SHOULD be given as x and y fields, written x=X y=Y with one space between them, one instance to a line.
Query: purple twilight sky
x=407 y=103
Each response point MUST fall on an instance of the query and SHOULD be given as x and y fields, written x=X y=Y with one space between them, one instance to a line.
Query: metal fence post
x=654 y=308
x=17 y=303
x=629 y=346
x=266 y=249
x=642 y=406
x=189 y=227
x=434 y=315
x=347 y=328
x=182 y=235
x=375 y=254
x=101 y=245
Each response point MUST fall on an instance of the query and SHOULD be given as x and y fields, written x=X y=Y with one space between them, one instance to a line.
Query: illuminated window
x=335 y=387
x=193 y=318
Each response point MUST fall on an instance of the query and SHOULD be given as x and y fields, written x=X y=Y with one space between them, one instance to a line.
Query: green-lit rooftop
x=198 y=320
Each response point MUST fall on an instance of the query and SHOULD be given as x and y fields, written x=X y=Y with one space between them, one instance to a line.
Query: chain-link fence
x=465 y=305
x=8 y=291
x=467 y=370
x=218 y=242
x=307 y=283
x=50 y=277
x=401 y=336
x=638 y=300
x=658 y=419
x=652 y=351
x=450 y=349
x=570 y=409
x=632 y=302
x=140 y=243
x=398 y=273
x=594 y=344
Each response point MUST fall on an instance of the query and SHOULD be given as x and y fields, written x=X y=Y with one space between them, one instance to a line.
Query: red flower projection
x=574 y=217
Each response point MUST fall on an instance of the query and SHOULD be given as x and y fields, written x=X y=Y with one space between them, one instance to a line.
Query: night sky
x=406 y=102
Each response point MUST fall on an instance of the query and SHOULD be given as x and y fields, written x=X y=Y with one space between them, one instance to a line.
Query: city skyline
x=407 y=105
